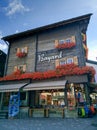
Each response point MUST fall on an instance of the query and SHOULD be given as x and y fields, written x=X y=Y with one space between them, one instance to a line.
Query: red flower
x=65 y=45
x=63 y=70
x=21 y=54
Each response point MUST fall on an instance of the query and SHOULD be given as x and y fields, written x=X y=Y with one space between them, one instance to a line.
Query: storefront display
x=52 y=98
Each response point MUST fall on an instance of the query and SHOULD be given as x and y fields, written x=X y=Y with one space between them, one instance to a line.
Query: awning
x=11 y=87
x=46 y=85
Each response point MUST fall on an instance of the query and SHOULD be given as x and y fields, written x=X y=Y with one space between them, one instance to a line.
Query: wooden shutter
x=75 y=59
x=15 y=68
x=56 y=43
x=26 y=49
x=73 y=39
x=24 y=68
x=57 y=62
x=18 y=50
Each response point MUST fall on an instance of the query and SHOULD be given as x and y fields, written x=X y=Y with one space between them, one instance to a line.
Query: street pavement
x=49 y=124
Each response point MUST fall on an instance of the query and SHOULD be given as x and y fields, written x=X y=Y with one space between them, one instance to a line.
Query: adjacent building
x=93 y=85
x=47 y=65
x=2 y=62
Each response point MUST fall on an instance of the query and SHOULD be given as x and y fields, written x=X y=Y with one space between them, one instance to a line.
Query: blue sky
x=21 y=15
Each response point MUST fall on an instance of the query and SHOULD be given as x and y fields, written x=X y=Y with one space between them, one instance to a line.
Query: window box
x=21 y=54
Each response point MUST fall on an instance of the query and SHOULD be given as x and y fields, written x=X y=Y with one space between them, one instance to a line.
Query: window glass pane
x=75 y=95
x=70 y=60
x=68 y=40
x=62 y=62
x=52 y=98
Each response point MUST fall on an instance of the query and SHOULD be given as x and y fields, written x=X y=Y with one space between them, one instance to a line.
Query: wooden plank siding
x=45 y=42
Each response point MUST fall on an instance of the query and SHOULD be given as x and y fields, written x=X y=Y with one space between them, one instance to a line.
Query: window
x=61 y=41
x=68 y=41
x=65 y=60
x=22 y=68
x=69 y=60
x=23 y=50
x=62 y=62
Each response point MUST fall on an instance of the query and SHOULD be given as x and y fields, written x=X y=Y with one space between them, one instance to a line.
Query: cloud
x=1 y=34
x=93 y=50
x=17 y=31
x=3 y=47
x=16 y=6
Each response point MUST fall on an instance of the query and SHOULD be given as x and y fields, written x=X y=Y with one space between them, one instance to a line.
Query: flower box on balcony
x=65 y=45
x=21 y=54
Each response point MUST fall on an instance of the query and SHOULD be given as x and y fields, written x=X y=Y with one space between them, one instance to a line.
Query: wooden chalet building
x=48 y=66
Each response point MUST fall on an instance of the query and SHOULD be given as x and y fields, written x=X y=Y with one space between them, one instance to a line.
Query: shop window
x=71 y=96
x=53 y=98
x=75 y=95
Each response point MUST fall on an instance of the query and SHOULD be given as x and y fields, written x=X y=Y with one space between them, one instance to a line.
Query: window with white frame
x=63 y=62
x=69 y=60
x=68 y=40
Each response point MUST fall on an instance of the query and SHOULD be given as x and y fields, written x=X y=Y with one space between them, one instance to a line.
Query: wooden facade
x=42 y=40
x=44 y=49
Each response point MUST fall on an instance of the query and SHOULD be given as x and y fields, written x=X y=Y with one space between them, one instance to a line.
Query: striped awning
x=11 y=87
x=45 y=85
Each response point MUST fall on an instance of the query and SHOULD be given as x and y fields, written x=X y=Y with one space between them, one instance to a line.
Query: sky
x=22 y=15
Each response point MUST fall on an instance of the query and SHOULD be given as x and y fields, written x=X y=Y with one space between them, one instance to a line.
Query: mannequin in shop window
x=80 y=98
